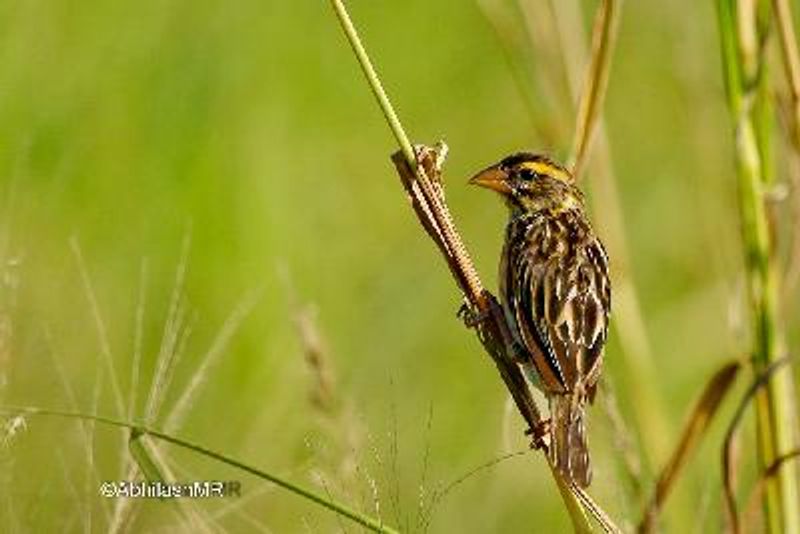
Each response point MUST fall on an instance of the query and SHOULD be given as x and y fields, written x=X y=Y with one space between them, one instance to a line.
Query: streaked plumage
x=556 y=294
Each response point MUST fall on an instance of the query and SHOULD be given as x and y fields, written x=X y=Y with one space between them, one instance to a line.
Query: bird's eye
x=527 y=174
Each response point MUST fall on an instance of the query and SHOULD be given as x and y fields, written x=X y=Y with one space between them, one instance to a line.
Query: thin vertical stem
x=374 y=82
x=469 y=280
x=591 y=102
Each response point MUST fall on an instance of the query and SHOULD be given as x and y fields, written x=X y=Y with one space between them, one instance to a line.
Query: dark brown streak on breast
x=562 y=316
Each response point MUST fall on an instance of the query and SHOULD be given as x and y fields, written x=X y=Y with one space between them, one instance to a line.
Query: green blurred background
x=247 y=129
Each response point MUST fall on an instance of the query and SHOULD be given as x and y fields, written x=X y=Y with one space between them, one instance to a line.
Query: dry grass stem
x=138 y=337
x=624 y=439
x=102 y=333
x=753 y=510
x=173 y=325
x=603 y=519
x=86 y=427
x=322 y=393
x=596 y=80
x=700 y=419
x=334 y=409
x=221 y=341
x=728 y=447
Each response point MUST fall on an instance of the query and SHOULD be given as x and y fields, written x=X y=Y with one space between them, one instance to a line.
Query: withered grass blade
x=693 y=432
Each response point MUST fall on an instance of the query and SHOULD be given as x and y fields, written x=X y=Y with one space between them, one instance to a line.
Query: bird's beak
x=493 y=178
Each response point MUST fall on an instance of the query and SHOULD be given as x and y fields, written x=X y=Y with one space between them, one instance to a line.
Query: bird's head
x=531 y=182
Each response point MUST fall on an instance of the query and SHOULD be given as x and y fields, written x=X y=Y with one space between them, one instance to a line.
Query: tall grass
x=743 y=28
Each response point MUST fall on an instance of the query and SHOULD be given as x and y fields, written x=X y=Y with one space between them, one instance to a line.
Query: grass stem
x=591 y=101
x=137 y=431
x=374 y=81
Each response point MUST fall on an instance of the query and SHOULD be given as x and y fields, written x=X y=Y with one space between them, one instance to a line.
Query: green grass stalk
x=143 y=458
x=744 y=72
x=374 y=82
x=137 y=431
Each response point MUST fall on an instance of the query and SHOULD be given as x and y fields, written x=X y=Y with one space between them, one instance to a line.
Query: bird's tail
x=568 y=450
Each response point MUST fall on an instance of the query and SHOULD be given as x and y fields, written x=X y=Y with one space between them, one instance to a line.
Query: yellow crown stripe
x=542 y=167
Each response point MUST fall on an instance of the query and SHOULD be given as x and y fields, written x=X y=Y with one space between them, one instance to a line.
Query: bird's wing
x=563 y=300
x=533 y=332
x=597 y=308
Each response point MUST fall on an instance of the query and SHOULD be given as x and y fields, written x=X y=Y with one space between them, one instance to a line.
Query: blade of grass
x=577 y=513
x=700 y=419
x=330 y=504
x=194 y=518
x=138 y=338
x=86 y=427
x=174 y=329
x=100 y=326
x=179 y=411
x=623 y=438
x=141 y=455
x=599 y=515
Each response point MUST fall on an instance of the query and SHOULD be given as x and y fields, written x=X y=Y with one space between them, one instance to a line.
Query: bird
x=555 y=293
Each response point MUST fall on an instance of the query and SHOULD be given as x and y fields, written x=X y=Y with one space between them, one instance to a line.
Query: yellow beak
x=492 y=178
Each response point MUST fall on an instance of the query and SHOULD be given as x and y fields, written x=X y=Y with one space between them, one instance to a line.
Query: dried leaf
x=699 y=421
x=753 y=510
x=728 y=445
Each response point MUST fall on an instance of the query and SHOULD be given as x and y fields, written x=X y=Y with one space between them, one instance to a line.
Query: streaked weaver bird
x=556 y=297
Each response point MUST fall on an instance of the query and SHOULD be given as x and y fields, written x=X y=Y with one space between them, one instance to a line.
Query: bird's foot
x=538 y=434
x=472 y=318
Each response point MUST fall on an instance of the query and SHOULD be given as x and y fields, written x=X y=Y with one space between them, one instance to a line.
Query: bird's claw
x=471 y=317
x=538 y=434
